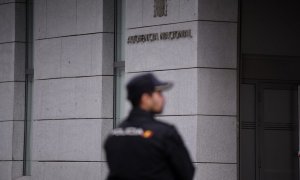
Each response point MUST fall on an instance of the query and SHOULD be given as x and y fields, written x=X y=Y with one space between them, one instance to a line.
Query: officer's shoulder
x=164 y=125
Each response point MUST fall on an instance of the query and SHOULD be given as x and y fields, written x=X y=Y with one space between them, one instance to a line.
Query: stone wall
x=73 y=82
x=12 y=87
x=73 y=88
x=203 y=102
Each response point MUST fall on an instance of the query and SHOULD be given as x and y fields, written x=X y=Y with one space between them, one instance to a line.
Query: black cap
x=145 y=83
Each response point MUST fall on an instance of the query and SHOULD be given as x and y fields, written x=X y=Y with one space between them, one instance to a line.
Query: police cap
x=145 y=83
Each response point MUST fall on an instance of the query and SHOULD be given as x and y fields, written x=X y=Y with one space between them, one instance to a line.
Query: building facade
x=64 y=63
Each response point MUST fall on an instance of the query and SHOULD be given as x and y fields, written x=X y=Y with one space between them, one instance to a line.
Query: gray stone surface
x=62 y=18
x=108 y=16
x=174 y=12
x=5 y=170
x=20 y=22
x=6 y=134
x=95 y=16
x=7 y=21
x=40 y=19
x=19 y=101
x=217 y=45
x=212 y=45
x=70 y=140
x=210 y=171
x=217 y=92
x=217 y=139
x=7 y=101
x=19 y=62
x=187 y=127
x=12 y=62
x=23 y=178
x=84 y=55
x=69 y=170
x=12 y=101
x=163 y=54
x=17 y=170
x=218 y=10
x=18 y=140
x=148 y=13
x=141 y=13
x=188 y=10
x=134 y=11
x=107 y=97
x=182 y=98
x=89 y=16
x=11 y=138
x=47 y=58
x=7 y=62
x=12 y=22
x=87 y=97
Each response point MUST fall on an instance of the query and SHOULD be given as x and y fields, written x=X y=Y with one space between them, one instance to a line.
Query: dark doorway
x=269 y=131
x=269 y=88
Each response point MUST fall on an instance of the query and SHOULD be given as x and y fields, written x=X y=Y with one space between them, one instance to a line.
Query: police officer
x=143 y=148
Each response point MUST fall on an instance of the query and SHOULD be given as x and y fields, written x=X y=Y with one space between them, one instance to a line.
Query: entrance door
x=269 y=132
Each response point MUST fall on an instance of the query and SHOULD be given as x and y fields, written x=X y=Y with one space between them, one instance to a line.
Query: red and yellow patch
x=147 y=134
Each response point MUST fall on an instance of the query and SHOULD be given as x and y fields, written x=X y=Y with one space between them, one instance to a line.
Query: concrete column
x=73 y=88
x=203 y=102
x=12 y=89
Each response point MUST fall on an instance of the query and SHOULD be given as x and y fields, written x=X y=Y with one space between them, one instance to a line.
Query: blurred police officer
x=143 y=148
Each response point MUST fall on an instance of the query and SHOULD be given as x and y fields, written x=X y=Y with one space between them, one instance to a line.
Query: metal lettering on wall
x=171 y=35
x=160 y=8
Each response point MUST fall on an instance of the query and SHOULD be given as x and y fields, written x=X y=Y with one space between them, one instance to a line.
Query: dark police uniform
x=142 y=148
